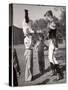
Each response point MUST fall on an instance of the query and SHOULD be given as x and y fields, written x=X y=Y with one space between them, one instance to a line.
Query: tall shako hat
x=26 y=15
x=26 y=11
x=48 y=13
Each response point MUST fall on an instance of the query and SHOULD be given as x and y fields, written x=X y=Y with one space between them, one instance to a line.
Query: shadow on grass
x=39 y=74
x=63 y=68
x=44 y=82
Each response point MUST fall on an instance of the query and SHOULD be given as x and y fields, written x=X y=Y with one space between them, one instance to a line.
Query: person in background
x=40 y=50
x=52 y=44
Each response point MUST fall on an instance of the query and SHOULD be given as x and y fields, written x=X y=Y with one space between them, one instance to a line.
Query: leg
x=41 y=61
x=57 y=68
x=51 y=57
x=53 y=68
x=28 y=74
x=59 y=71
x=51 y=61
x=31 y=64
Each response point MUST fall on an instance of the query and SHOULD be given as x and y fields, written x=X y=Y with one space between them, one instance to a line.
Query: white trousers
x=28 y=74
x=51 y=55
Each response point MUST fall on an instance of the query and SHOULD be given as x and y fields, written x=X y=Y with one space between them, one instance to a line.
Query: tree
x=63 y=22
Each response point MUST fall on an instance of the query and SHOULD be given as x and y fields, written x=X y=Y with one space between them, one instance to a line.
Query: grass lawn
x=46 y=78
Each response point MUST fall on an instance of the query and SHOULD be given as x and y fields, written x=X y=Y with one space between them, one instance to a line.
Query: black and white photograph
x=37 y=44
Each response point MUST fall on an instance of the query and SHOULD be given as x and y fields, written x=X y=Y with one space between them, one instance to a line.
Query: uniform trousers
x=29 y=64
x=51 y=55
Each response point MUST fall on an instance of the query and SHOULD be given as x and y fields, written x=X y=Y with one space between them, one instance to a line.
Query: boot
x=59 y=71
x=53 y=69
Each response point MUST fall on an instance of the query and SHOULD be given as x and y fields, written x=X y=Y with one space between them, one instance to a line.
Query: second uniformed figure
x=52 y=45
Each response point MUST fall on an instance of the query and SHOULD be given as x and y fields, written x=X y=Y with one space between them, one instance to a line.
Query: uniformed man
x=28 y=47
x=52 y=44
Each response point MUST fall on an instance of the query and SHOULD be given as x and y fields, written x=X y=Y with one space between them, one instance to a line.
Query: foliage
x=41 y=24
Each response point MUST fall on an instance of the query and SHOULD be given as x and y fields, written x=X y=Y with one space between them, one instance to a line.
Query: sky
x=35 y=12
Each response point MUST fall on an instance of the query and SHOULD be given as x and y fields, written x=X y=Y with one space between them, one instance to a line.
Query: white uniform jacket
x=27 y=27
